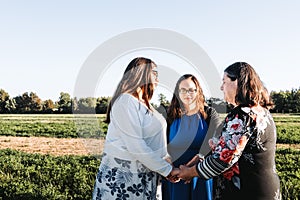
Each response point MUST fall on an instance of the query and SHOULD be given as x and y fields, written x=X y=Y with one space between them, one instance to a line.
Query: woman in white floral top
x=135 y=152
x=243 y=158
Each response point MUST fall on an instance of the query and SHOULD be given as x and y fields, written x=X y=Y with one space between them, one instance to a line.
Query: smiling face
x=187 y=92
x=229 y=89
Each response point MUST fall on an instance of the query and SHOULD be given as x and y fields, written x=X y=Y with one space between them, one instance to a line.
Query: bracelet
x=201 y=156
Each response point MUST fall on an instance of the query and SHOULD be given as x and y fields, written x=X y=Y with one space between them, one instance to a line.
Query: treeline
x=286 y=101
x=29 y=103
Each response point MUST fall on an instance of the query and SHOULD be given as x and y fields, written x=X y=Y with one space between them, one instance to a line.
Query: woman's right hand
x=187 y=173
x=173 y=176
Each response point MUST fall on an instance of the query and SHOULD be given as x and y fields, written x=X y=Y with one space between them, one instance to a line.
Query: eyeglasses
x=155 y=73
x=190 y=91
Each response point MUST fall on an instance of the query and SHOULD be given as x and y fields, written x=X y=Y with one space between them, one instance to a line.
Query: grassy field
x=60 y=126
x=33 y=175
x=92 y=126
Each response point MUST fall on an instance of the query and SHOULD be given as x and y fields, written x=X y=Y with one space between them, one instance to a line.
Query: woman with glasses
x=135 y=150
x=191 y=123
x=243 y=159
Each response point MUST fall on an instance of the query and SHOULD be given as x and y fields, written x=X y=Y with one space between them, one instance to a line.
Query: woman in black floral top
x=243 y=158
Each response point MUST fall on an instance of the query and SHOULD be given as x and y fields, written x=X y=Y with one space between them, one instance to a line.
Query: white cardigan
x=137 y=135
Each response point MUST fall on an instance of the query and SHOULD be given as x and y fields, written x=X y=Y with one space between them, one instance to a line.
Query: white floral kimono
x=134 y=152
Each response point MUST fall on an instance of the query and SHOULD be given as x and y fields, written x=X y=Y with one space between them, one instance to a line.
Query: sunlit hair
x=250 y=89
x=136 y=75
x=176 y=109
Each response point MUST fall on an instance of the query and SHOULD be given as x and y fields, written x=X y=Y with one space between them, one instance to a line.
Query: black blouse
x=243 y=157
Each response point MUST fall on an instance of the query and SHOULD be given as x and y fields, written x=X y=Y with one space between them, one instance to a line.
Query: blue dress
x=185 y=137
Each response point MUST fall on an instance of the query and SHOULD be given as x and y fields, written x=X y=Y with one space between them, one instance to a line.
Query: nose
x=221 y=88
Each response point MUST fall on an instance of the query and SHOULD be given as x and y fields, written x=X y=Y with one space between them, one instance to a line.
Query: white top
x=137 y=135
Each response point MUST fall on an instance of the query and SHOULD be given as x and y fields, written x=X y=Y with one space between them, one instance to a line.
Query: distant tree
x=293 y=100
x=280 y=100
x=163 y=104
x=10 y=106
x=102 y=104
x=35 y=103
x=64 y=103
x=23 y=103
x=87 y=105
x=163 y=100
x=75 y=104
x=4 y=99
x=48 y=106
x=297 y=101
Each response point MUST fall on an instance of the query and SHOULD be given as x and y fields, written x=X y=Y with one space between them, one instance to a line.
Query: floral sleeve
x=229 y=147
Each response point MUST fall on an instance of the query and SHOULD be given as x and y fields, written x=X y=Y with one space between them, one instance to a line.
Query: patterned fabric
x=134 y=152
x=244 y=155
x=121 y=183
x=135 y=133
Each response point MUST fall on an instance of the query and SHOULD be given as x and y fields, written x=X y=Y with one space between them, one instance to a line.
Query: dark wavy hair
x=136 y=75
x=250 y=89
x=176 y=108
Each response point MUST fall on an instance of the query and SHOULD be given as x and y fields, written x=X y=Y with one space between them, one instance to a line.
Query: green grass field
x=35 y=176
x=61 y=126
x=74 y=126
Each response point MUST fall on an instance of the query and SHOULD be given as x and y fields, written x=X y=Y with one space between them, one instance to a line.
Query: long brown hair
x=250 y=89
x=136 y=75
x=176 y=109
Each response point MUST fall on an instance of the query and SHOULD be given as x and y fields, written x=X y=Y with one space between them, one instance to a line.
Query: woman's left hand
x=194 y=161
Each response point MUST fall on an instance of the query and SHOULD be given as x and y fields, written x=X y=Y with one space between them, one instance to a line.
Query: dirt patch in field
x=292 y=146
x=53 y=146
x=67 y=146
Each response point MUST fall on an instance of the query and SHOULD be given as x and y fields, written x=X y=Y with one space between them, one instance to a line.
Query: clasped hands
x=185 y=172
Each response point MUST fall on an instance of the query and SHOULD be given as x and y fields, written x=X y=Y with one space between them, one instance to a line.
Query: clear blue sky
x=43 y=44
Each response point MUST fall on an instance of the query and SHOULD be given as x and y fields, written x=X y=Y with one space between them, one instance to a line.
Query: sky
x=44 y=44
